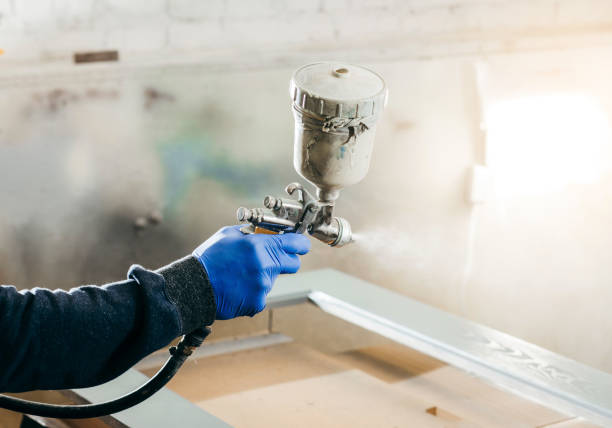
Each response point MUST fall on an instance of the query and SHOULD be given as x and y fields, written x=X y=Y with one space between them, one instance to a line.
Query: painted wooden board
x=383 y=386
x=526 y=369
x=571 y=423
x=401 y=386
x=470 y=399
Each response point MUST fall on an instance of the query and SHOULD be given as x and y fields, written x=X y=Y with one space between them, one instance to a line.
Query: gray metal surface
x=516 y=365
x=164 y=409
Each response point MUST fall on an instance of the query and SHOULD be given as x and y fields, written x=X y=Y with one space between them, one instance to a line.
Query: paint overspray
x=395 y=247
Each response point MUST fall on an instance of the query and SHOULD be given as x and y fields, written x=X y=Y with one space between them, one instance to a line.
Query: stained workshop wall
x=194 y=121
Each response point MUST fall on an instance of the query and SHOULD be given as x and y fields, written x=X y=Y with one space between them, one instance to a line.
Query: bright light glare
x=540 y=144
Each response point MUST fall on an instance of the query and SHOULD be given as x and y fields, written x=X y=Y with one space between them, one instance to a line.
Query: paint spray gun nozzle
x=303 y=213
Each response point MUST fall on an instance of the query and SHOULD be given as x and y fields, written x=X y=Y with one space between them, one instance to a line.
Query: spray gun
x=336 y=108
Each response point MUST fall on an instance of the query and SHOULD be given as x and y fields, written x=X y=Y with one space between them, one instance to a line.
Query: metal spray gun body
x=336 y=108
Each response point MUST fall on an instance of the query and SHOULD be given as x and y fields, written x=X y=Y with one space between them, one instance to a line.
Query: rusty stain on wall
x=154 y=96
x=55 y=100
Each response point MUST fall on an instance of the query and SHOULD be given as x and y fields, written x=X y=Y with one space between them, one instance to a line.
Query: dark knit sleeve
x=91 y=334
x=187 y=286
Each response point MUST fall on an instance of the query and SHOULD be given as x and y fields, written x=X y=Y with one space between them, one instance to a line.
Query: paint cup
x=336 y=108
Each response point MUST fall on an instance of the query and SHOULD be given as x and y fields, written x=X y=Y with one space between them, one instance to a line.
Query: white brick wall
x=51 y=30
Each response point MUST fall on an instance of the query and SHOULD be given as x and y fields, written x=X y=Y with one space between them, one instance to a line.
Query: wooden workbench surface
x=389 y=385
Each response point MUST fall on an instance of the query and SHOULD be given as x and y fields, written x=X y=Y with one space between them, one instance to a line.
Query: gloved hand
x=242 y=268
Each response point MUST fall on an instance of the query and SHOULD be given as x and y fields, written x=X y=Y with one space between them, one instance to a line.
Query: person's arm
x=58 y=339
x=89 y=335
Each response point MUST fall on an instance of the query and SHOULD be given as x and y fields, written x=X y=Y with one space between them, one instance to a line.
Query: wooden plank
x=393 y=378
x=211 y=377
x=390 y=363
x=526 y=369
x=345 y=399
x=469 y=398
x=68 y=423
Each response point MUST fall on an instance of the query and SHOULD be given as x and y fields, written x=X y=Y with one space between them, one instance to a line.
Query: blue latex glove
x=242 y=268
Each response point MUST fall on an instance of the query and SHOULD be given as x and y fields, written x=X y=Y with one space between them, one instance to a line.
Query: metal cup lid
x=337 y=90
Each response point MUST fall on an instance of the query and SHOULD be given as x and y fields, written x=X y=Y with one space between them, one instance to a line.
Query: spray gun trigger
x=248 y=229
